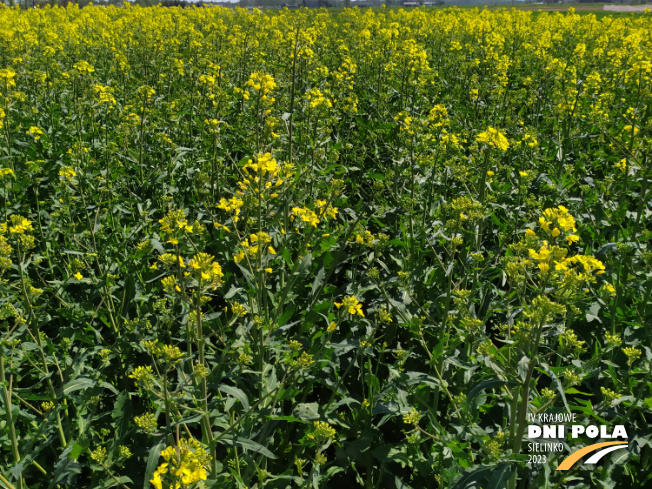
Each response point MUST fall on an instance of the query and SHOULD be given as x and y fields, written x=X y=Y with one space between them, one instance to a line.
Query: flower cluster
x=306 y=215
x=173 y=221
x=412 y=417
x=175 y=225
x=7 y=76
x=143 y=376
x=104 y=95
x=580 y=268
x=465 y=209
x=233 y=205
x=262 y=176
x=184 y=465
x=325 y=209
x=67 y=173
x=253 y=245
x=317 y=99
x=35 y=132
x=560 y=220
x=83 y=68
x=208 y=272
x=405 y=122
x=494 y=138
x=261 y=84
x=19 y=225
x=352 y=305
x=575 y=269
x=438 y=116
x=322 y=432
x=147 y=422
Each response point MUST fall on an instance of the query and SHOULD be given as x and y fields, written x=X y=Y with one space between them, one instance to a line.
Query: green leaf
x=78 y=448
x=500 y=476
x=121 y=414
x=188 y=420
x=474 y=479
x=573 y=390
x=108 y=386
x=128 y=293
x=118 y=482
x=306 y=411
x=482 y=386
x=400 y=484
x=78 y=384
x=152 y=462
x=523 y=366
x=557 y=384
x=246 y=444
x=289 y=419
x=318 y=281
x=65 y=469
x=237 y=393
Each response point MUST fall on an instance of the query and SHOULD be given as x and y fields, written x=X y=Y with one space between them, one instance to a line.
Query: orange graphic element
x=575 y=456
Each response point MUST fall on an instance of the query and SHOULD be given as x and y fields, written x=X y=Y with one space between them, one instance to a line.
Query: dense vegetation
x=301 y=249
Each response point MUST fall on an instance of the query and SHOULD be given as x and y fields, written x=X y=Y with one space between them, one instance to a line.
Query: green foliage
x=304 y=249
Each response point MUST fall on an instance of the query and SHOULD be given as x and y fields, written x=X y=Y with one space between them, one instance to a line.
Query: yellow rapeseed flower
x=494 y=138
x=352 y=305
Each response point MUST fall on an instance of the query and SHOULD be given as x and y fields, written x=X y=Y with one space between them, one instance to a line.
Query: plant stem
x=206 y=422
x=6 y=398
x=294 y=71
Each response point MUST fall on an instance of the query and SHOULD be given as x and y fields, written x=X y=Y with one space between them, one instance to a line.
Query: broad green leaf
x=237 y=393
